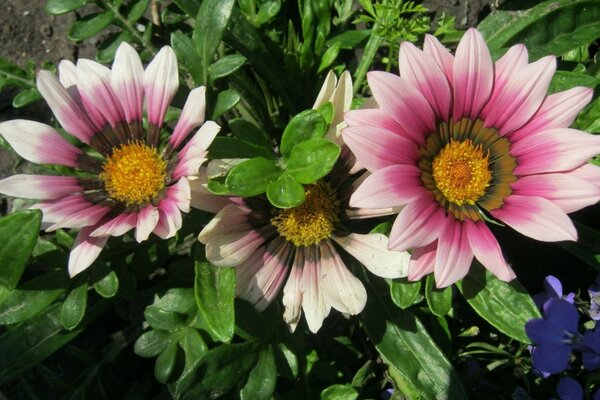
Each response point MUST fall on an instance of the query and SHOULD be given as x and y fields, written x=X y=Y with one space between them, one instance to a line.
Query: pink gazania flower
x=127 y=177
x=460 y=140
x=296 y=248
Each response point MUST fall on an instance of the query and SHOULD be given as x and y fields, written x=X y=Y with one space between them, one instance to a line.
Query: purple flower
x=569 y=389
x=589 y=346
x=554 y=335
x=552 y=289
x=594 y=292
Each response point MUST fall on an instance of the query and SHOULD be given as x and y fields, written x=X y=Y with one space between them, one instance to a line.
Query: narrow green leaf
x=349 y=40
x=108 y=47
x=58 y=7
x=73 y=308
x=26 y=97
x=505 y=305
x=90 y=25
x=329 y=56
x=403 y=342
x=250 y=133
x=187 y=54
x=339 y=392
x=563 y=80
x=438 y=300
x=403 y=292
x=151 y=343
x=367 y=58
x=165 y=362
x=226 y=66
x=312 y=160
x=226 y=100
x=137 y=11
x=309 y=124
x=215 y=291
x=105 y=280
x=18 y=235
x=211 y=22
x=251 y=177
x=267 y=11
x=262 y=379
x=285 y=192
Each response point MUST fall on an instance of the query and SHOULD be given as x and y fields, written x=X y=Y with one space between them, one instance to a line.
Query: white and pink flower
x=458 y=140
x=127 y=176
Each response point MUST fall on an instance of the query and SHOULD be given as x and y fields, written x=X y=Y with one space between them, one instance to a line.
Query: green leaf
x=226 y=100
x=187 y=55
x=73 y=308
x=438 y=300
x=563 y=80
x=551 y=27
x=339 y=392
x=587 y=247
x=226 y=66
x=33 y=297
x=505 y=305
x=151 y=343
x=190 y=7
x=309 y=124
x=211 y=21
x=162 y=319
x=26 y=97
x=165 y=362
x=58 y=7
x=137 y=11
x=349 y=40
x=179 y=300
x=312 y=160
x=105 y=280
x=194 y=348
x=108 y=47
x=90 y=25
x=251 y=177
x=230 y=147
x=262 y=379
x=215 y=290
x=18 y=235
x=403 y=292
x=267 y=11
x=248 y=132
x=329 y=56
x=403 y=343
x=285 y=192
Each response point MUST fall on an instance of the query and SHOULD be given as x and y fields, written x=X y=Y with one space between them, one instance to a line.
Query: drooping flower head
x=295 y=248
x=127 y=177
x=460 y=140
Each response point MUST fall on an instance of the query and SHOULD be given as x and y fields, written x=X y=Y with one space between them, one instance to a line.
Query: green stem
x=27 y=82
x=125 y=24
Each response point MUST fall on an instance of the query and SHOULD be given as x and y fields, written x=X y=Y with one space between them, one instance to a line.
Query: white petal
x=85 y=251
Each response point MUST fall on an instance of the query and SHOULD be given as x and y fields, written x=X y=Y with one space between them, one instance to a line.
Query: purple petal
x=552 y=358
x=569 y=389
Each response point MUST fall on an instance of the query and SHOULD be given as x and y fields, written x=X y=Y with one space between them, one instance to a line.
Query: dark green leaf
x=339 y=392
x=285 y=192
x=364 y=374
x=230 y=147
x=58 y=7
x=90 y=25
x=194 y=348
x=366 y=60
x=217 y=186
x=349 y=40
x=190 y=7
x=404 y=293
x=309 y=124
x=439 y=300
x=73 y=308
x=563 y=80
x=137 y=11
x=151 y=343
x=267 y=11
x=187 y=55
x=18 y=235
x=329 y=56
x=108 y=48
x=179 y=300
x=226 y=100
x=262 y=379
x=250 y=133
x=404 y=344
x=251 y=177
x=587 y=247
x=32 y=297
x=165 y=363
x=226 y=66
x=211 y=21
x=505 y=305
x=165 y=320
x=551 y=27
x=312 y=160
x=106 y=282
x=215 y=290
x=26 y=97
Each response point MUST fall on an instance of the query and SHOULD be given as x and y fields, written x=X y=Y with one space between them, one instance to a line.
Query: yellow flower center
x=461 y=172
x=313 y=220
x=134 y=174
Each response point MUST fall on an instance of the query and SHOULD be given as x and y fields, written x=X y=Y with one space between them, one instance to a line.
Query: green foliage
x=12 y=75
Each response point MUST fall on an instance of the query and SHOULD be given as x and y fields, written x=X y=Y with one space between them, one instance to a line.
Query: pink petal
x=41 y=187
x=180 y=193
x=516 y=101
x=423 y=72
x=126 y=80
x=589 y=173
x=374 y=118
x=557 y=111
x=402 y=101
x=232 y=248
x=97 y=93
x=537 y=218
x=194 y=152
x=473 y=76
x=230 y=219
x=418 y=224
x=440 y=54
x=372 y=252
x=377 y=148
x=389 y=187
x=422 y=262
x=116 y=226
x=192 y=116
x=146 y=222
x=292 y=295
x=513 y=60
x=169 y=219
x=313 y=302
x=65 y=107
x=161 y=81
x=342 y=290
x=58 y=209
x=568 y=192
x=554 y=150
x=88 y=216
x=487 y=250
x=32 y=141
x=454 y=255
x=85 y=251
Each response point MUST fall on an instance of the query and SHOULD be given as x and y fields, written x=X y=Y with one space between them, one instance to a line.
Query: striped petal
x=85 y=251
x=313 y=302
x=454 y=255
x=367 y=118
x=116 y=226
x=389 y=187
x=40 y=187
x=422 y=262
x=487 y=250
x=161 y=81
x=126 y=80
x=86 y=217
x=146 y=222
x=194 y=152
x=292 y=295
x=443 y=58
x=192 y=116
x=169 y=219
